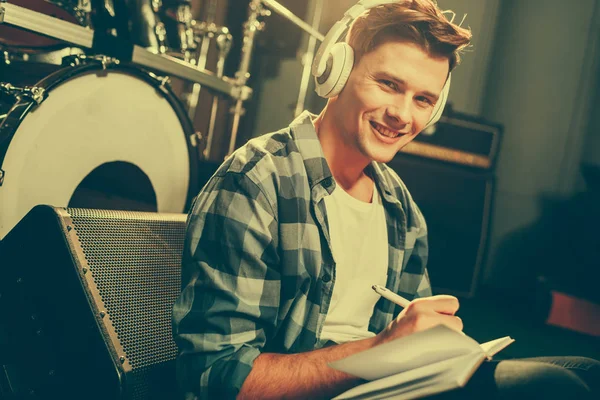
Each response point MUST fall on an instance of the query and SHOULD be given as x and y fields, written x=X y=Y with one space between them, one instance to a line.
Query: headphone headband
x=338 y=29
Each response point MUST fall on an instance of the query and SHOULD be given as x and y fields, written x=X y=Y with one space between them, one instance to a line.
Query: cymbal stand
x=253 y=24
x=257 y=10
x=224 y=41
x=307 y=59
x=185 y=31
x=290 y=16
x=205 y=31
x=160 y=31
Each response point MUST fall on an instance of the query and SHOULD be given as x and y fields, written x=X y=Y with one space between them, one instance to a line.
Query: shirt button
x=326 y=278
x=327 y=182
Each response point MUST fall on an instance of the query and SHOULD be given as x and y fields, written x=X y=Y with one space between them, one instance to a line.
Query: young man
x=287 y=238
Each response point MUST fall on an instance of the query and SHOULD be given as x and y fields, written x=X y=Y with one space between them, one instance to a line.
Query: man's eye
x=424 y=101
x=389 y=84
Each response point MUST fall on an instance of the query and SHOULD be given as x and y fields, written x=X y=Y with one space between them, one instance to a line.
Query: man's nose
x=399 y=112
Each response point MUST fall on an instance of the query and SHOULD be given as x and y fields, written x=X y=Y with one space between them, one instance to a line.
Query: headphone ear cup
x=441 y=103
x=339 y=67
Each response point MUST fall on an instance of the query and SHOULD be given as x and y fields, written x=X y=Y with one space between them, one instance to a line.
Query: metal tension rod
x=83 y=37
x=284 y=12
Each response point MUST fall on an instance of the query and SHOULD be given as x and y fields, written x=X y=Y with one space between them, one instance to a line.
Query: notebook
x=422 y=364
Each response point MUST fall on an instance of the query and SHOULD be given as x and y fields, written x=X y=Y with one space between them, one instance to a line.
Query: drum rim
x=22 y=107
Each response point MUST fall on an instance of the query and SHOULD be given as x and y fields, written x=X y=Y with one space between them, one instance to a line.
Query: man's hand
x=421 y=314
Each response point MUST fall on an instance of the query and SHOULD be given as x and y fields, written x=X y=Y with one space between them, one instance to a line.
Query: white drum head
x=88 y=121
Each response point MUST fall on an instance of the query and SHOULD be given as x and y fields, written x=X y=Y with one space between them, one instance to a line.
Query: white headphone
x=334 y=60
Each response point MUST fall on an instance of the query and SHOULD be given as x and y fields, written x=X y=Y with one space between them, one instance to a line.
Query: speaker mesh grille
x=135 y=261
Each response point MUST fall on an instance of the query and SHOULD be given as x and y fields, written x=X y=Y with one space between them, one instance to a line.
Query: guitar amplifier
x=459 y=139
x=449 y=171
x=85 y=305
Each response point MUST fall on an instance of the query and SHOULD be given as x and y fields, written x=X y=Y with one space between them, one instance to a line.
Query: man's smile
x=385 y=131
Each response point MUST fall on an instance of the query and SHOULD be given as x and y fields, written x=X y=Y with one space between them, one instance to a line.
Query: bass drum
x=110 y=137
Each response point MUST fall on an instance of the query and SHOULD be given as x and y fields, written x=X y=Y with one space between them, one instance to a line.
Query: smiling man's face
x=388 y=99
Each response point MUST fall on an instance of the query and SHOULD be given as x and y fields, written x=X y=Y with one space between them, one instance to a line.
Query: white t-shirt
x=359 y=243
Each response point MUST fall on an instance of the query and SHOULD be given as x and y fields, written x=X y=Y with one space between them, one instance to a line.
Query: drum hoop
x=18 y=112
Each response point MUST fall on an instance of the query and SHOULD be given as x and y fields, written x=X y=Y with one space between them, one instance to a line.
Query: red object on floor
x=574 y=313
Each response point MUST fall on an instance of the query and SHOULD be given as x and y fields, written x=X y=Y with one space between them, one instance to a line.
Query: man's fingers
x=452 y=322
x=422 y=321
x=443 y=304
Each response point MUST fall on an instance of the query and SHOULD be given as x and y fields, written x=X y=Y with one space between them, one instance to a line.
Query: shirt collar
x=304 y=134
x=375 y=171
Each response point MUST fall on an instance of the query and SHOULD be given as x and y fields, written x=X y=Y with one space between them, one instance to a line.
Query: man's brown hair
x=416 y=21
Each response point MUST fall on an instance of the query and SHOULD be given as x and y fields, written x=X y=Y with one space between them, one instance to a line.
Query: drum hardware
x=284 y=12
x=110 y=17
x=161 y=35
x=183 y=16
x=85 y=38
x=181 y=69
x=159 y=28
x=79 y=59
x=32 y=93
x=253 y=24
x=224 y=41
x=106 y=62
x=146 y=28
x=257 y=10
x=50 y=57
x=109 y=7
x=196 y=138
x=204 y=33
x=83 y=12
x=22 y=96
x=307 y=59
x=166 y=29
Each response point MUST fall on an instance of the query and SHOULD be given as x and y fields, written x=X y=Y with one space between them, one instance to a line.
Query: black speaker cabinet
x=85 y=304
x=456 y=202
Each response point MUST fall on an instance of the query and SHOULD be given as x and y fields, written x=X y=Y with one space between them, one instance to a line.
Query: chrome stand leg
x=224 y=45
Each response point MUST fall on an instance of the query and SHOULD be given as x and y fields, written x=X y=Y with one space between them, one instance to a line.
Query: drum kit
x=88 y=117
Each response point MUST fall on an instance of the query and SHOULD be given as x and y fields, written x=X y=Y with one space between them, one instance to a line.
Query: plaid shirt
x=258 y=272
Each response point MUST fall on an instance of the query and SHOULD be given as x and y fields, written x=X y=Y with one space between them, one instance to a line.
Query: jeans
x=532 y=378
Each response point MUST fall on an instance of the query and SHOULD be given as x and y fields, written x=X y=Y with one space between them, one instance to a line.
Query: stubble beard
x=369 y=146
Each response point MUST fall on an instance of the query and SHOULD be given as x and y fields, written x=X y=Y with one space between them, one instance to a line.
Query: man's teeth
x=384 y=131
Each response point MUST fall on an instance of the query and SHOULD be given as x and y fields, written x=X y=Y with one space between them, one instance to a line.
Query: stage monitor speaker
x=85 y=304
x=456 y=202
x=460 y=139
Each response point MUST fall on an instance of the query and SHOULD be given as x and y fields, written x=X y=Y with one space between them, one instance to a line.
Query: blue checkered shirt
x=258 y=272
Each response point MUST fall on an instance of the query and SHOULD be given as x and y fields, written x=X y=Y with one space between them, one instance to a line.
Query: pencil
x=391 y=296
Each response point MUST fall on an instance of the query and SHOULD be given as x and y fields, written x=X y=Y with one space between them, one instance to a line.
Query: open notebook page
x=494 y=346
x=423 y=381
x=410 y=352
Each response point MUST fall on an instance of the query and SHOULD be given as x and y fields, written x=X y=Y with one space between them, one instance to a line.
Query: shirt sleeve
x=419 y=256
x=424 y=288
x=230 y=287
